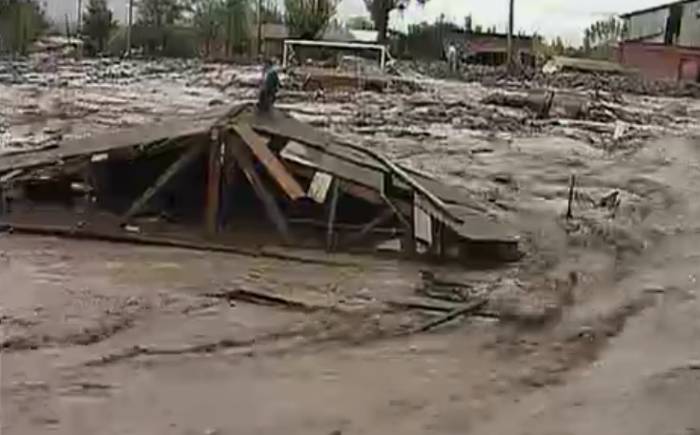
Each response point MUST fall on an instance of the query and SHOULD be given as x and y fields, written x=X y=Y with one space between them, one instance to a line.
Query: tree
x=307 y=18
x=98 y=23
x=604 y=33
x=270 y=13
x=236 y=24
x=158 y=13
x=379 y=10
x=360 y=23
x=158 y=16
x=207 y=21
x=21 y=23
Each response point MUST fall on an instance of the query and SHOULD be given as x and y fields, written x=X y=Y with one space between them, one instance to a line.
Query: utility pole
x=79 y=26
x=259 y=27
x=510 y=36
x=130 y=22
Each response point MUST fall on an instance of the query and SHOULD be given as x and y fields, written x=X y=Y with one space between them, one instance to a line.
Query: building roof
x=655 y=8
x=307 y=146
x=274 y=31
x=364 y=35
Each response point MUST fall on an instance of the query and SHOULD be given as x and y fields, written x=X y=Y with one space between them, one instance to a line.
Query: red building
x=663 y=42
x=659 y=61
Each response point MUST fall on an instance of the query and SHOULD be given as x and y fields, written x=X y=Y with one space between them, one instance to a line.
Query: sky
x=565 y=18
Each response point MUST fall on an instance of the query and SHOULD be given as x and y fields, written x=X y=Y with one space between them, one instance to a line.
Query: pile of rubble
x=628 y=83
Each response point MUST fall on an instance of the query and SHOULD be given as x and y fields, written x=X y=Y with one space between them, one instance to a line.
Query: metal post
x=510 y=35
x=79 y=26
x=130 y=22
x=259 y=27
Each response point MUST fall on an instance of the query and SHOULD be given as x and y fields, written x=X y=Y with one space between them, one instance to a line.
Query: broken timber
x=260 y=149
x=245 y=162
x=292 y=154
x=187 y=157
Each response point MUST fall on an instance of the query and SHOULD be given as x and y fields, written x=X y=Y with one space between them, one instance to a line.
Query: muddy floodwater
x=595 y=330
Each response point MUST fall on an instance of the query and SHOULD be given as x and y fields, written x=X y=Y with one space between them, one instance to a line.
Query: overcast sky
x=565 y=18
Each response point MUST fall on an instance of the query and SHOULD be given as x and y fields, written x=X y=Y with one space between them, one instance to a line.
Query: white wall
x=643 y=26
x=690 y=25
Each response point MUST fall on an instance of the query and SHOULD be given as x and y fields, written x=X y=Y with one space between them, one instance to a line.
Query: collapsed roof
x=284 y=161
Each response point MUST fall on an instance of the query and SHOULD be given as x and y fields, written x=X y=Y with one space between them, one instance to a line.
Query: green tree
x=379 y=10
x=21 y=23
x=360 y=23
x=307 y=18
x=236 y=24
x=270 y=13
x=604 y=33
x=157 y=18
x=207 y=21
x=98 y=23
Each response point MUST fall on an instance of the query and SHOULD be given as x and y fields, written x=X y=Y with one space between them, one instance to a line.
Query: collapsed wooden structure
x=244 y=177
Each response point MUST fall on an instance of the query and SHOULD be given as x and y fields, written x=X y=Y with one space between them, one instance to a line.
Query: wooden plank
x=186 y=158
x=213 y=194
x=383 y=217
x=245 y=162
x=258 y=145
x=333 y=208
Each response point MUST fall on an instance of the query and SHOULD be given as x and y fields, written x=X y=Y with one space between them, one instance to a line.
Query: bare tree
x=307 y=18
x=98 y=23
x=379 y=11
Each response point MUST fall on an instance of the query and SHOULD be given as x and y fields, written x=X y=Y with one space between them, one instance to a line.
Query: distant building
x=491 y=48
x=663 y=42
x=273 y=36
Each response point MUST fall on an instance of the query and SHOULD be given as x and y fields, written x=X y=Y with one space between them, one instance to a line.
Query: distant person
x=269 y=86
x=452 y=58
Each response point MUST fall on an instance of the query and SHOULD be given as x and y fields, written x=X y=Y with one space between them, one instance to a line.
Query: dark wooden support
x=245 y=162
x=332 y=211
x=213 y=198
x=230 y=177
x=438 y=247
x=383 y=217
x=408 y=243
x=569 y=208
x=277 y=143
x=259 y=146
x=187 y=157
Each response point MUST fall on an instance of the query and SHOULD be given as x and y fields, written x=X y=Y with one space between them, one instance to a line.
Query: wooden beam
x=259 y=146
x=333 y=208
x=186 y=158
x=245 y=162
x=213 y=193
x=383 y=217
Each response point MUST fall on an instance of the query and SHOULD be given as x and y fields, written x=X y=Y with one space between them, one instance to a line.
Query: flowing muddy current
x=594 y=330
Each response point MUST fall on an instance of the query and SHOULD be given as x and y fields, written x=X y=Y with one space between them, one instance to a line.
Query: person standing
x=452 y=57
x=269 y=86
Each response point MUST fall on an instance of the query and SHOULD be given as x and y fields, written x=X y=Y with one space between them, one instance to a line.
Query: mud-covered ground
x=595 y=330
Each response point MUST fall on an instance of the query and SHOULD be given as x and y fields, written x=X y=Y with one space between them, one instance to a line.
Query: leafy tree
x=360 y=23
x=379 y=11
x=236 y=24
x=307 y=18
x=21 y=23
x=98 y=23
x=158 y=17
x=207 y=21
x=270 y=13
x=603 y=33
x=158 y=13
